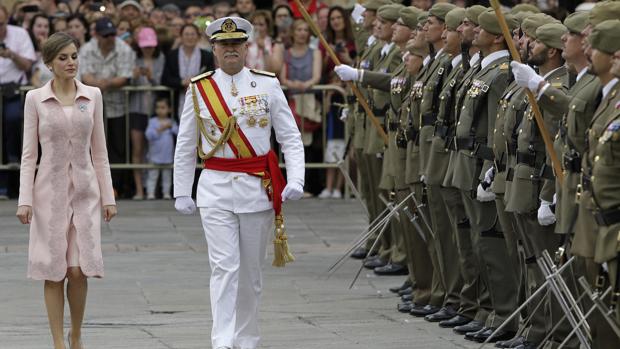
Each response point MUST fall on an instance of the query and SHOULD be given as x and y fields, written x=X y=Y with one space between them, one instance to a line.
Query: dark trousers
x=116 y=144
x=12 y=116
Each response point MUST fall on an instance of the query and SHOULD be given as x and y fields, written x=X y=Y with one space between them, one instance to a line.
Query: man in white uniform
x=241 y=187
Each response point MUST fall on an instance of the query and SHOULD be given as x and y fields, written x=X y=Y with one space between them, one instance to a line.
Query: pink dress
x=71 y=185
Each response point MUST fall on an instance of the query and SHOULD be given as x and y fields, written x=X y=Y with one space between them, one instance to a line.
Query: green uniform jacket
x=368 y=60
x=398 y=84
x=432 y=83
x=576 y=107
x=585 y=240
x=528 y=186
x=474 y=129
x=509 y=115
x=380 y=101
x=360 y=36
x=412 y=122
x=439 y=154
x=459 y=97
x=606 y=186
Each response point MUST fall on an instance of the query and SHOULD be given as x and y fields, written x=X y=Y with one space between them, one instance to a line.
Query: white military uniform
x=237 y=215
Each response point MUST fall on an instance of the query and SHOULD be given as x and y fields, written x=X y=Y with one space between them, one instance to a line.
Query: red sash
x=264 y=166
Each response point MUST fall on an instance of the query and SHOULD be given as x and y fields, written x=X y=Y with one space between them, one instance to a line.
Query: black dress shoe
x=405 y=284
x=426 y=310
x=472 y=326
x=392 y=269
x=527 y=345
x=510 y=343
x=471 y=336
x=407 y=297
x=359 y=253
x=408 y=290
x=458 y=320
x=374 y=263
x=404 y=307
x=499 y=336
x=445 y=313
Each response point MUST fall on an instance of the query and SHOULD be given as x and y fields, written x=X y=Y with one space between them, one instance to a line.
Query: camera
x=97 y=6
x=30 y=8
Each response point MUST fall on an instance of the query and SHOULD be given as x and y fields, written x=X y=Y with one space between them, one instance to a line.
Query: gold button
x=458 y=123
x=573 y=107
x=521 y=131
x=495 y=131
x=552 y=98
x=463 y=108
x=596 y=158
x=592 y=179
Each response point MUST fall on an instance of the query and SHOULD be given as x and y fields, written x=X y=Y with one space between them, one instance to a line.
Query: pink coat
x=71 y=184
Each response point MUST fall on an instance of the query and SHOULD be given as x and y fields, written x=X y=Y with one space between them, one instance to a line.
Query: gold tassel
x=282 y=255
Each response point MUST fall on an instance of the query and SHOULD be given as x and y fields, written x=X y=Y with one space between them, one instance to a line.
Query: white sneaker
x=325 y=194
x=336 y=194
x=167 y=197
x=150 y=197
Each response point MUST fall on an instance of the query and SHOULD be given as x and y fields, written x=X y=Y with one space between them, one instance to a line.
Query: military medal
x=251 y=121
x=263 y=122
x=253 y=83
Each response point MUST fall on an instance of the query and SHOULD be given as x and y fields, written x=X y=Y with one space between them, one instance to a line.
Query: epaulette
x=262 y=72
x=202 y=76
x=504 y=66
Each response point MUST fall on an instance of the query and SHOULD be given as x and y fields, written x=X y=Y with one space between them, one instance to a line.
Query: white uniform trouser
x=237 y=248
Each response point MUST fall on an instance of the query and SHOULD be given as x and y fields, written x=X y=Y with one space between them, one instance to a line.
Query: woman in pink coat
x=64 y=201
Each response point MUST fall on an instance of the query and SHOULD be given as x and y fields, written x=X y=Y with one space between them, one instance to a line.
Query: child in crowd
x=160 y=134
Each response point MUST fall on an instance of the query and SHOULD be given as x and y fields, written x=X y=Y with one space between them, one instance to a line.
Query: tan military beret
x=473 y=12
x=531 y=23
x=422 y=17
x=576 y=22
x=520 y=16
x=605 y=36
x=524 y=8
x=409 y=16
x=390 y=12
x=373 y=5
x=440 y=10
x=488 y=21
x=550 y=34
x=454 y=18
x=603 y=11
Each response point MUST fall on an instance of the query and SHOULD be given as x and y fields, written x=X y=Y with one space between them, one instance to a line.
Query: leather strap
x=607 y=217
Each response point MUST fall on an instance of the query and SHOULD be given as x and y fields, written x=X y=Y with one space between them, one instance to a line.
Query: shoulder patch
x=612 y=132
x=504 y=66
x=202 y=76
x=262 y=72
x=557 y=84
x=614 y=126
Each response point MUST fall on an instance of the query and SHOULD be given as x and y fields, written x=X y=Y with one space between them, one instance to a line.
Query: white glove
x=484 y=195
x=356 y=14
x=347 y=73
x=292 y=191
x=545 y=215
x=489 y=176
x=555 y=198
x=344 y=114
x=185 y=205
x=525 y=76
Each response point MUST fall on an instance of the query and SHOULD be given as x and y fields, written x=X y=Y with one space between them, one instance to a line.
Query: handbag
x=305 y=107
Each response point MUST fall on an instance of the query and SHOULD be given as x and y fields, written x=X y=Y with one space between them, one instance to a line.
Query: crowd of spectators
x=148 y=43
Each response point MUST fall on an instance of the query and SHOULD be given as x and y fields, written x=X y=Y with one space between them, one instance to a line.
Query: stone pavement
x=155 y=292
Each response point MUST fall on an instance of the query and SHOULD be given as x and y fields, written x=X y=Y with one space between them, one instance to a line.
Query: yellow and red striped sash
x=221 y=114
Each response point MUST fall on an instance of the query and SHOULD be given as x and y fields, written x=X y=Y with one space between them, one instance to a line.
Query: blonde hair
x=54 y=44
x=296 y=24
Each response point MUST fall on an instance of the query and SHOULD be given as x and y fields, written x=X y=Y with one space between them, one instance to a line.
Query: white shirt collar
x=456 y=60
x=493 y=56
x=386 y=48
x=582 y=73
x=426 y=60
x=234 y=77
x=474 y=59
x=609 y=86
x=439 y=52
x=551 y=72
x=371 y=39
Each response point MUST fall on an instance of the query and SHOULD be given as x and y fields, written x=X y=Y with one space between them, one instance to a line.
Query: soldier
x=605 y=191
x=576 y=108
x=593 y=192
x=398 y=83
x=450 y=101
x=367 y=60
x=473 y=158
x=241 y=187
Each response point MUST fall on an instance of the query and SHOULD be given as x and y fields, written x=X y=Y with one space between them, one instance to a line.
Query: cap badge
x=229 y=26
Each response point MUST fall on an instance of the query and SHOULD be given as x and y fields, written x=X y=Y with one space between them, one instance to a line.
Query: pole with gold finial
x=557 y=168
x=336 y=60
